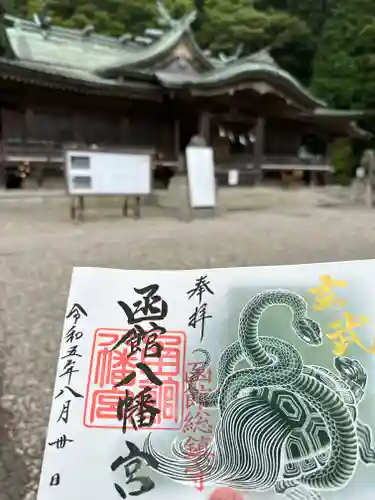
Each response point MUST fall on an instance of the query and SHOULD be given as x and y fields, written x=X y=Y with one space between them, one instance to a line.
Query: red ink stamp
x=196 y=447
x=196 y=423
x=109 y=367
x=205 y=381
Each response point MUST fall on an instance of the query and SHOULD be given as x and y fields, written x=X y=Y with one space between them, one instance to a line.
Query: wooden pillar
x=259 y=148
x=327 y=177
x=29 y=123
x=176 y=138
x=28 y=134
x=77 y=208
x=77 y=128
x=313 y=178
x=124 y=130
x=328 y=152
x=204 y=127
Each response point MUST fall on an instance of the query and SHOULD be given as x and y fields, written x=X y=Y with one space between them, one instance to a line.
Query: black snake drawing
x=283 y=425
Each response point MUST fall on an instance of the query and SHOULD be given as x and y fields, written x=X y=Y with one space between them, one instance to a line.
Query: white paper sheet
x=308 y=364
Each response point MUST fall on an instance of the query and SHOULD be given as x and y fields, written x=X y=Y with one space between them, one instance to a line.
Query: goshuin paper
x=178 y=382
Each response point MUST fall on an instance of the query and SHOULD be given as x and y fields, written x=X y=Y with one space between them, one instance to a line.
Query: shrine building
x=60 y=86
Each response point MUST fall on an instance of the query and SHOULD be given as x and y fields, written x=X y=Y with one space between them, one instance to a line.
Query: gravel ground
x=39 y=246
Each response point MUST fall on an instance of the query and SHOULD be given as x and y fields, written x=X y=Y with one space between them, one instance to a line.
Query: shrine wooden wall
x=30 y=114
x=60 y=125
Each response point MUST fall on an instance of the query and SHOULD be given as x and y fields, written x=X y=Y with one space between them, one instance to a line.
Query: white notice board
x=201 y=176
x=100 y=173
x=233 y=177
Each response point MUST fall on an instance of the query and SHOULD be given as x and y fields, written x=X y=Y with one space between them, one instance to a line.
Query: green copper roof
x=242 y=71
x=339 y=120
x=180 y=32
x=75 y=79
x=30 y=42
x=70 y=48
x=339 y=113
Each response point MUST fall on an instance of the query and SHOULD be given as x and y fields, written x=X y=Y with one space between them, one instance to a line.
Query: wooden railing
x=45 y=159
x=276 y=162
x=37 y=158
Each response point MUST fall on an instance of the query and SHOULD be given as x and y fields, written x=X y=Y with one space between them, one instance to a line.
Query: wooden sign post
x=125 y=173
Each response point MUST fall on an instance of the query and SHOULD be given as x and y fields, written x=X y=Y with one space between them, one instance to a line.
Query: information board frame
x=87 y=152
x=77 y=204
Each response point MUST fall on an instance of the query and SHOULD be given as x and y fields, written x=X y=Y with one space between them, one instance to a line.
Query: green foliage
x=345 y=64
x=312 y=12
x=343 y=160
x=34 y=6
x=109 y=17
x=6 y=7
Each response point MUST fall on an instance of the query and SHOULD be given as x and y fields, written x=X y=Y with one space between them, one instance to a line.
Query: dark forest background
x=328 y=45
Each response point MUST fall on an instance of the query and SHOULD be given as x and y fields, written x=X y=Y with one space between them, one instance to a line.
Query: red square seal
x=109 y=367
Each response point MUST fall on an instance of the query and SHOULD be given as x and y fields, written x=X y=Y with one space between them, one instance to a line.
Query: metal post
x=81 y=208
x=125 y=207
x=137 y=207
x=73 y=211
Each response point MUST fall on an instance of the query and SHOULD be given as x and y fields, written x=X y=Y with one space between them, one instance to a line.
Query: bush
x=343 y=161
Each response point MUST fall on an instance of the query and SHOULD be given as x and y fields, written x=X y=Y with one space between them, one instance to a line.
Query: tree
x=34 y=7
x=343 y=160
x=344 y=69
x=111 y=17
x=297 y=56
x=6 y=7
x=313 y=12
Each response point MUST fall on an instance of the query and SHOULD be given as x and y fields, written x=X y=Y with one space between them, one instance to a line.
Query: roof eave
x=244 y=80
x=340 y=114
x=42 y=78
x=339 y=122
x=356 y=132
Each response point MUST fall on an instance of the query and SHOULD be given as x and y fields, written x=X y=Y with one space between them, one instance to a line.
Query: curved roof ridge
x=241 y=69
x=166 y=18
x=263 y=56
x=148 y=53
x=160 y=47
